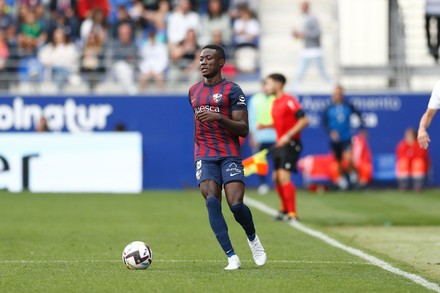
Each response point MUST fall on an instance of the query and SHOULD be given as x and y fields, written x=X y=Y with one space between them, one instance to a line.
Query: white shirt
x=179 y=24
x=62 y=55
x=154 y=57
x=250 y=28
x=434 y=101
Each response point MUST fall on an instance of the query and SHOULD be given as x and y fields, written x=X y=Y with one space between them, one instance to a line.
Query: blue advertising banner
x=166 y=124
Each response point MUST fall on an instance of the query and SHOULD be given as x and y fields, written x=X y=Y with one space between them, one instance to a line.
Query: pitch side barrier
x=166 y=126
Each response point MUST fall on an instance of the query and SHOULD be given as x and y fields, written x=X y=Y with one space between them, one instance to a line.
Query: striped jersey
x=211 y=139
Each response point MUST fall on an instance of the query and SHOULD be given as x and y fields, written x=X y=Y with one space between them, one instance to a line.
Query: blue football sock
x=243 y=216
x=218 y=224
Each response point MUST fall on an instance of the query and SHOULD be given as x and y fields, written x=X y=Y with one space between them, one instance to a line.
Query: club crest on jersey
x=217 y=97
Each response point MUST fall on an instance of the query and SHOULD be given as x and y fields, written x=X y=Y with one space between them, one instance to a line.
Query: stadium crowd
x=129 y=41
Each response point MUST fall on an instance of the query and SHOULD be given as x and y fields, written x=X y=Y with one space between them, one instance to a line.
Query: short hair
x=218 y=49
x=278 y=77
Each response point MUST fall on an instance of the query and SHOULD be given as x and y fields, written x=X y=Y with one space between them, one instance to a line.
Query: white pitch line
x=357 y=252
x=183 y=261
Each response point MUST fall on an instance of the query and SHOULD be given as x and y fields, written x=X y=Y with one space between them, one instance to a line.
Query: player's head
x=410 y=135
x=212 y=59
x=305 y=7
x=338 y=94
x=274 y=83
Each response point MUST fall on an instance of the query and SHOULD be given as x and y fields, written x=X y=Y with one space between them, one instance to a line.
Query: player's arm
x=302 y=122
x=238 y=125
x=425 y=121
x=356 y=112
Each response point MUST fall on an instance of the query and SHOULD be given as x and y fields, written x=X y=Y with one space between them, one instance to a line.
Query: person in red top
x=288 y=120
x=412 y=162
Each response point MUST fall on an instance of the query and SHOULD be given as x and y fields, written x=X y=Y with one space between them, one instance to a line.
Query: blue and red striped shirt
x=211 y=139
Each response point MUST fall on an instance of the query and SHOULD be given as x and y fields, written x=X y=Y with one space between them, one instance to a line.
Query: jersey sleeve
x=237 y=99
x=434 y=101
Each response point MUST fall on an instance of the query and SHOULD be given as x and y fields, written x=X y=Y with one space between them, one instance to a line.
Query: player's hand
x=423 y=138
x=334 y=136
x=208 y=116
x=260 y=126
x=285 y=139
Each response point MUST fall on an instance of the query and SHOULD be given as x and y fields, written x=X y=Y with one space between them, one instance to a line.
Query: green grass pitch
x=73 y=243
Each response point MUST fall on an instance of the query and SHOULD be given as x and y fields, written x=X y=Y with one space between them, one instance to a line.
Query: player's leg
x=289 y=161
x=208 y=174
x=347 y=156
x=233 y=178
x=337 y=151
x=277 y=155
x=402 y=173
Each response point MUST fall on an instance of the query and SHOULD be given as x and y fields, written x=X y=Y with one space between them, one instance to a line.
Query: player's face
x=269 y=86
x=338 y=95
x=210 y=63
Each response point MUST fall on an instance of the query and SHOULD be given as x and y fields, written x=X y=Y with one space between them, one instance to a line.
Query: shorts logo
x=198 y=174
x=233 y=169
x=241 y=101
x=217 y=97
x=198 y=164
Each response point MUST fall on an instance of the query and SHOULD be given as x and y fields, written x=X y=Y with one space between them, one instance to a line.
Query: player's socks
x=289 y=193
x=282 y=198
x=218 y=224
x=243 y=216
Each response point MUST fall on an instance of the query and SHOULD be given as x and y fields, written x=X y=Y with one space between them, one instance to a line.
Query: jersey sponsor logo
x=217 y=97
x=241 y=100
x=207 y=108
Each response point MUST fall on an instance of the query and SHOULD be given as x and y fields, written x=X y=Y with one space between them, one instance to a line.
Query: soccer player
x=425 y=121
x=288 y=120
x=220 y=117
x=337 y=122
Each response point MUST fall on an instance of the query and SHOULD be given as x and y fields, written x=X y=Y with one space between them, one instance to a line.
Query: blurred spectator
x=154 y=61
x=65 y=7
x=235 y=6
x=42 y=125
x=60 y=59
x=312 y=52
x=121 y=18
x=92 y=60
x=159 y=20
x=4 y=50
x=412 y=162
x=114 y=5
x=216 y=20
x=7 y=22
x=246 y=32
x=124 y=59
x=185 y=58
x=67 y=22
x=260 y=109
x=136 y=10
x=32 y=34
x=97 y=23
x=432 y=11
x=180 y=21
x=85 y=8
x=246 y=28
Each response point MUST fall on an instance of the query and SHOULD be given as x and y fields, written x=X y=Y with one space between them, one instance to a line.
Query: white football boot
x=257 y=251
x=233 y=263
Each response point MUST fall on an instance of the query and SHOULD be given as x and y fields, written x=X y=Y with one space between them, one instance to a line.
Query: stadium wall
x=167 y=127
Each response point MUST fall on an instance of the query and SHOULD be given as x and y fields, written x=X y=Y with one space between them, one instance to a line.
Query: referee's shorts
x=286 y=157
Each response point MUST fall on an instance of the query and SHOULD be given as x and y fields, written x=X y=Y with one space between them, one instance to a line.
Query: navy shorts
x=222 y=171
x=286 y=157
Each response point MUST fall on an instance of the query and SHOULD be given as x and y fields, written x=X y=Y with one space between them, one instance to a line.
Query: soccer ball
x=137 y=255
